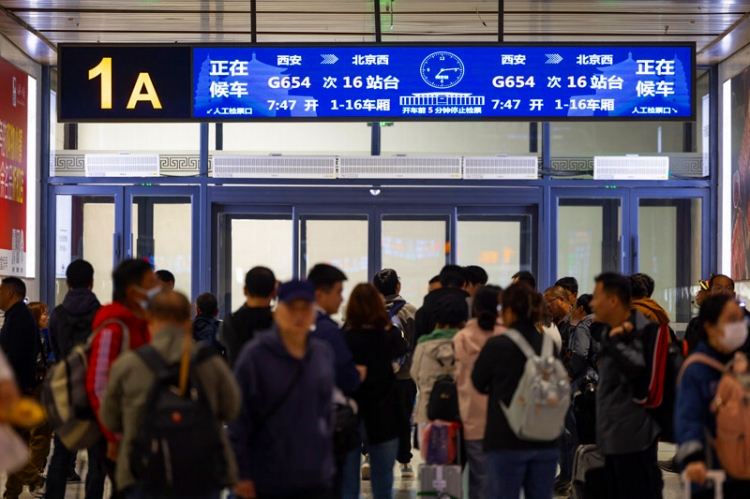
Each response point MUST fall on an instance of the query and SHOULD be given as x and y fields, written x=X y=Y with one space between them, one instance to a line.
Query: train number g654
x=289 y=82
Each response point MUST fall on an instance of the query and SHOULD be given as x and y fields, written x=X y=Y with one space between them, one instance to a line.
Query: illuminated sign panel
x=390 y=82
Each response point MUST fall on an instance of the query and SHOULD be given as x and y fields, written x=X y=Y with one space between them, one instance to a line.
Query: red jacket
x=106 y=348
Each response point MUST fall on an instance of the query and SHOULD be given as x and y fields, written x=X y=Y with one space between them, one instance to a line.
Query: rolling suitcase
x=589 y=481
x=442 y=476
x=440 y=480
x=717 y=477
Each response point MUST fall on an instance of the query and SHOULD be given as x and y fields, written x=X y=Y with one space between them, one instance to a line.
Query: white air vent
x=121 y=165
x=386 y=167
x=274 y=166
x=501 y=167
x=631 y=167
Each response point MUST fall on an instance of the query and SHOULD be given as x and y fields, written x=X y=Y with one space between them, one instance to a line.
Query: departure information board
x=369 y=82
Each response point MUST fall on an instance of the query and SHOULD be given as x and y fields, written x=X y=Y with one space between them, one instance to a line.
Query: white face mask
x=735 y=335
x=150 y=293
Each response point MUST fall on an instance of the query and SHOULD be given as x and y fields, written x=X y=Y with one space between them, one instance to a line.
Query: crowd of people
x=280 y=400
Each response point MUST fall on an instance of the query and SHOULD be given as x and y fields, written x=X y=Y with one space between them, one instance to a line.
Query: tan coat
x=130 y=381
x=432 y=350
x=473 y=405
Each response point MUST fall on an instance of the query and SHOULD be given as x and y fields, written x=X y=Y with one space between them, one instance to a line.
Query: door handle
x=635 y=251
x=116 y=245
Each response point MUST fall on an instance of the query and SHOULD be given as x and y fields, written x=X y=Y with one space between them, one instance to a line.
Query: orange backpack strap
x=700 y=358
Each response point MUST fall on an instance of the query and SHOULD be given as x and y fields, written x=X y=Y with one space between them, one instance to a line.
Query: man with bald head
x=132 y=376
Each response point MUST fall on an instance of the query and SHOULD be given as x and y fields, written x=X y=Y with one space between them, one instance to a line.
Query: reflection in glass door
x=501 y=244
x=85 y=229
x=417 y=247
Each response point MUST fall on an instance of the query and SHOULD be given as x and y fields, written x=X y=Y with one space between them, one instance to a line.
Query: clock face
x=442 y=70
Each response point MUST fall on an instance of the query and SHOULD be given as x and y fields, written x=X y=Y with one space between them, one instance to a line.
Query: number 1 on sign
x=104 y=69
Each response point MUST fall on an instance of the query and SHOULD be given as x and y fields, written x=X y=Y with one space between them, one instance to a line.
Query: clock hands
x=441 y=76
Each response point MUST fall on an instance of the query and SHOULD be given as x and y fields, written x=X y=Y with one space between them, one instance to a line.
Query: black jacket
x=205 y=330
x=240 y=327
x=376 y=397
x=623 y=425
x=78 y=303
x=19 y=339
x=425 y=319
x=497 y=371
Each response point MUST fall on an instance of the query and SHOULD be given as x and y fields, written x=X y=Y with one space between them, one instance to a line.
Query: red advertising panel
x=13 y=141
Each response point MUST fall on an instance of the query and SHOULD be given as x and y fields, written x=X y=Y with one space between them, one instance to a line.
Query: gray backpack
x=542 y=397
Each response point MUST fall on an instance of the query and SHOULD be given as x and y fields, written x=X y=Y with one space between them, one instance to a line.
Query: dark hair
x=451 y=310
x=569 y=284
x=128 y=273
x=435 y=279
x=485 y=306
x=558 y=292
x=720 y=275
x=324 y=276
x=527 y=277
x=616 y=284
x=386 y=281
x=585 y=302
x=643 y=285
x=16 y=285
x=170 y=306
x=476 y=274
x=260 y=282
x=524 y=301
x=165 y=276
x=710 y=312
x=207 y=304
x=366 y=308
x=452 y=276
x=38 y=309
x=80 y=274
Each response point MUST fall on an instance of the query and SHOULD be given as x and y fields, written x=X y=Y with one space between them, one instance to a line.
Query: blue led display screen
x=377 y=82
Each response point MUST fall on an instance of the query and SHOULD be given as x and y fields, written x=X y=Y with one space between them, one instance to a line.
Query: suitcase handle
x=718 y=477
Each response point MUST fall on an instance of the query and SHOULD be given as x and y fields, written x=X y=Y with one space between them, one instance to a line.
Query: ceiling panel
x=707 y=22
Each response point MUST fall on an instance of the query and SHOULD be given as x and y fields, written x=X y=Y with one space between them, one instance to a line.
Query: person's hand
x=622 y=329
x=245 y=489
x=113 y=449
x=362 y=372
x=696 y=472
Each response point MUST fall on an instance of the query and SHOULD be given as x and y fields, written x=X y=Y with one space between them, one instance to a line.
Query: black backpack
x=73 y=330
x=178 y=450
x=443 y=403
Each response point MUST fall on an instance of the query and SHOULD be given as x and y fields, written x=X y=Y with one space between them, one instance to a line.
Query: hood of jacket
x=80 y=302
x=651 y=309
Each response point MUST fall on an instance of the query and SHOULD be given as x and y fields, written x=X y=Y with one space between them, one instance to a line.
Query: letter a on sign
x=144 y=83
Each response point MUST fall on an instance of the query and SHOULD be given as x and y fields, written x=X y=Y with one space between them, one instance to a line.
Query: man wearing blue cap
x=284 y=435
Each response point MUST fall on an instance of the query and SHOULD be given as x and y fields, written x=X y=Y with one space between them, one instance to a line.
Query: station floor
x=403 y=489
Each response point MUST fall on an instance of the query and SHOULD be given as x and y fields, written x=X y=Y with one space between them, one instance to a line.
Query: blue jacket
x=292 y=453
x=347 y=376
x=692 y=415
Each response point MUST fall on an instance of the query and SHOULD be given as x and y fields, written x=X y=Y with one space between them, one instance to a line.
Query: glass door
x=588 y=227
x=160 y=223
x=416 y=245
x=86 y=226
x=499 y=240
x=669 y=245
x=247 y=237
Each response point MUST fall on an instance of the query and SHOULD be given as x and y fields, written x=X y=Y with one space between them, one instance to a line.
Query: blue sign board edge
x=436 y=45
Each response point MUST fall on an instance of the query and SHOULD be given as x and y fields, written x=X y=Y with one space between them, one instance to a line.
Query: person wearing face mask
x=724 y=331
x=134 y=283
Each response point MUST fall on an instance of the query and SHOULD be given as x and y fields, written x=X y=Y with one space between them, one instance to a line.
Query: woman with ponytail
x=513 y=464
x=473 y=405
